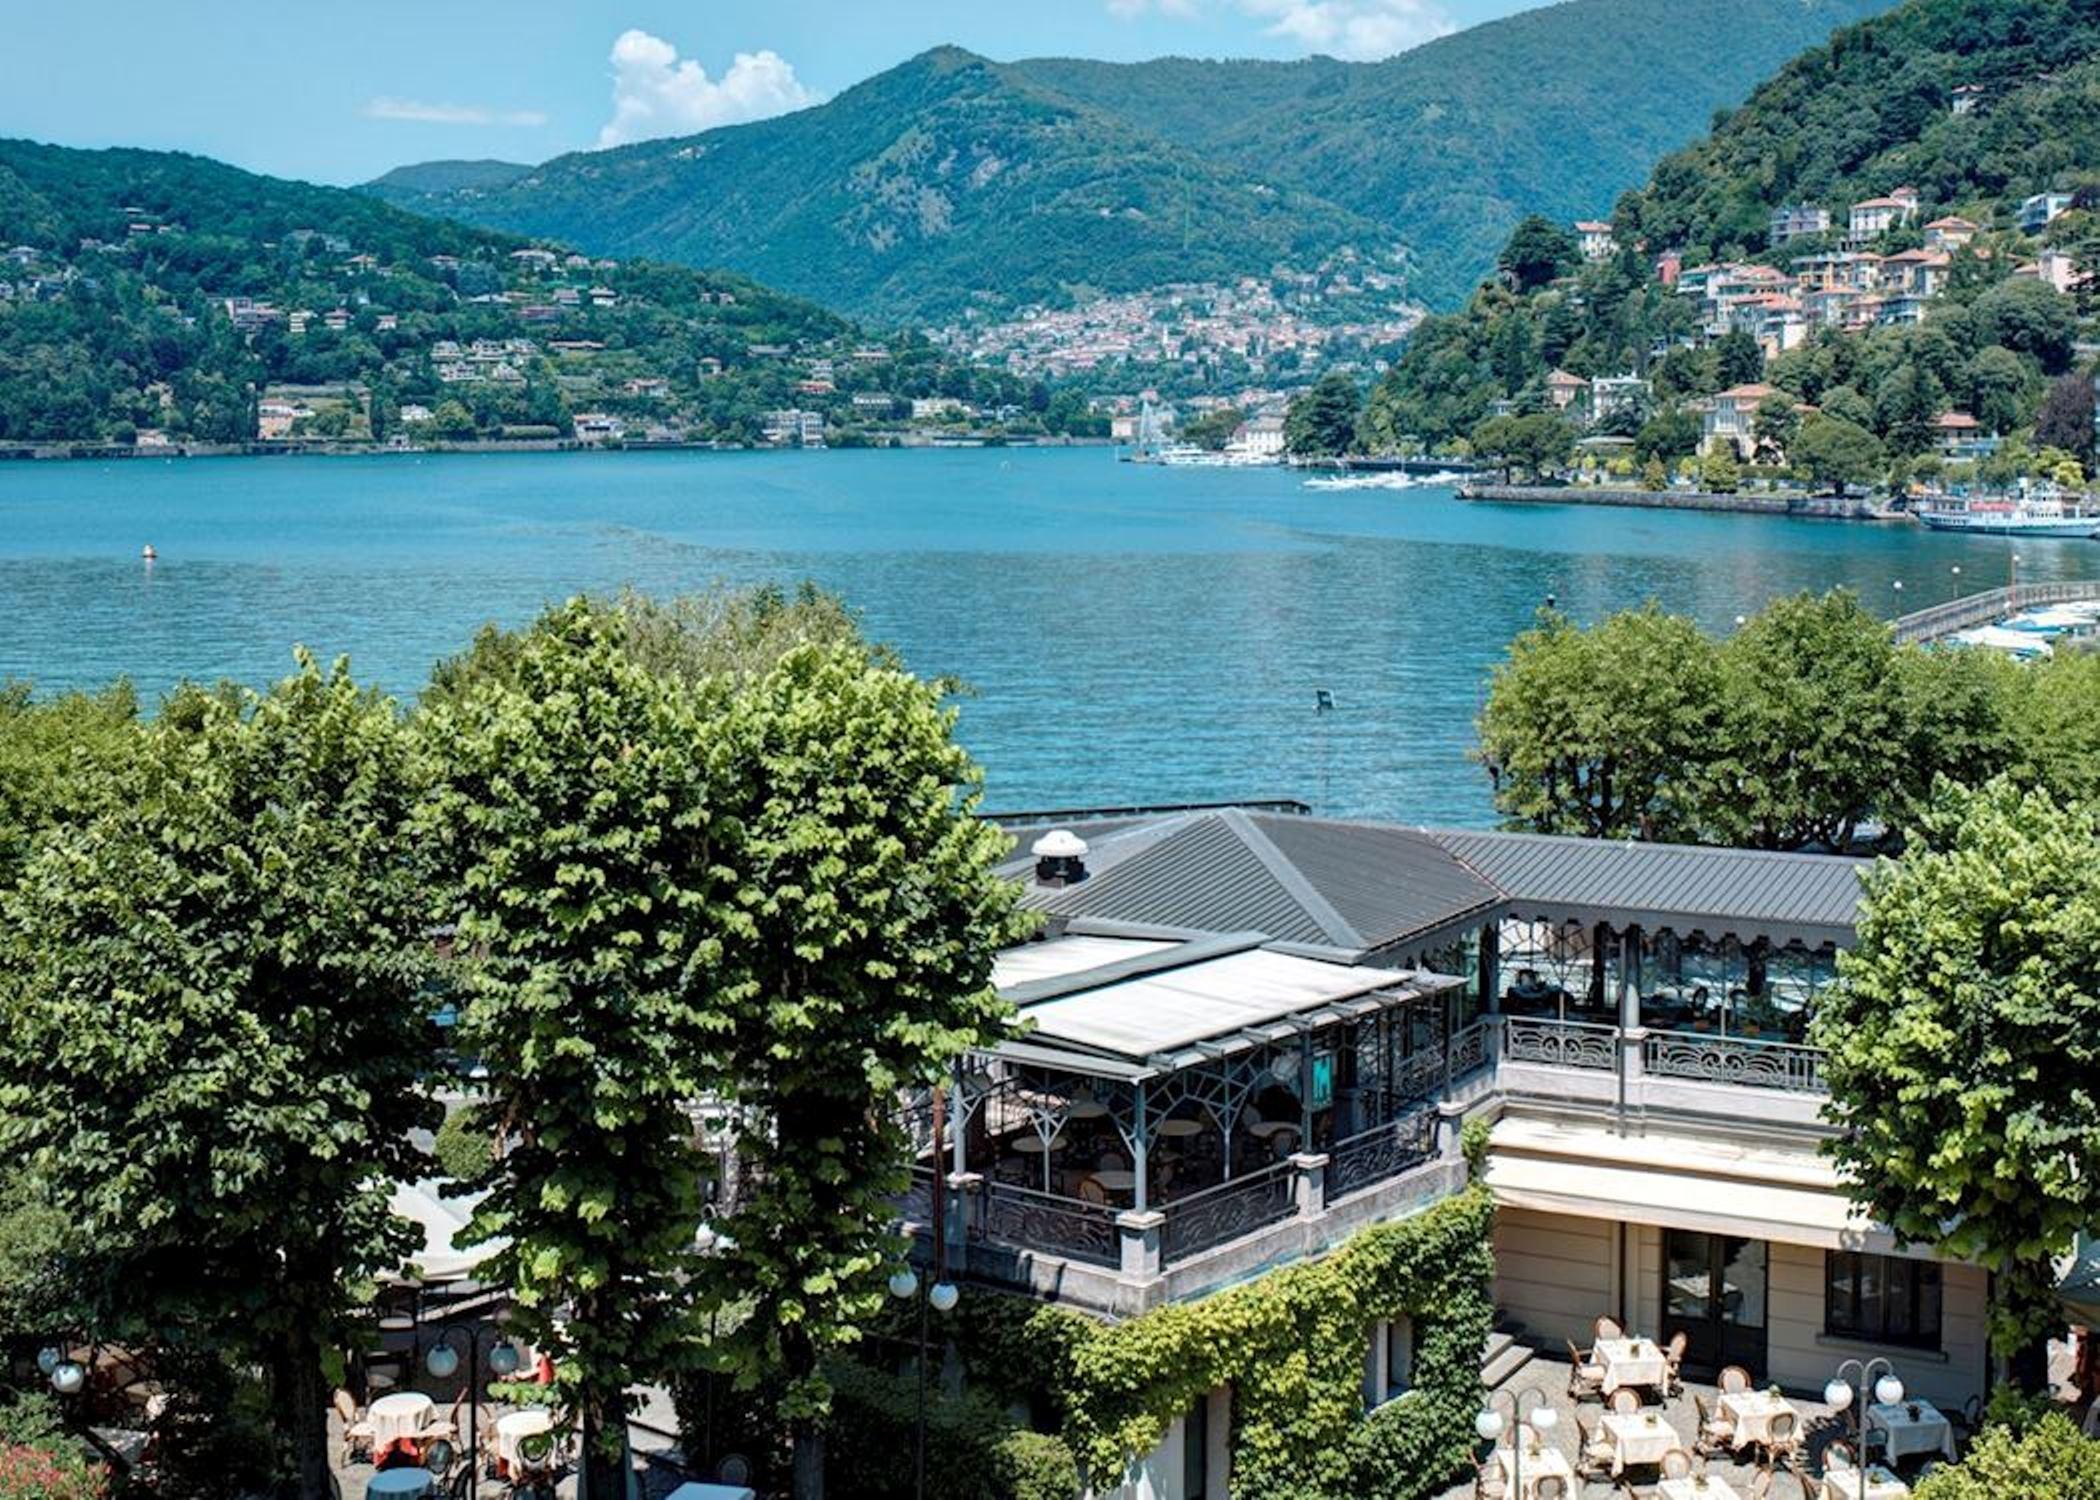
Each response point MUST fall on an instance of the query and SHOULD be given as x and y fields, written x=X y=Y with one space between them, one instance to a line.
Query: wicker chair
x=1584 y=1378
x=1489 y=1482
x=1838 y=1457
x=1595 y=1455
x=1782 y=1439
x=1734 y=1381
x=1549 y=1487
x=357 y=1432
x=1608 y=1328
x=1673 y=1364
x=1676 y=1464
x=1625 y=1401
x=1716 y=1431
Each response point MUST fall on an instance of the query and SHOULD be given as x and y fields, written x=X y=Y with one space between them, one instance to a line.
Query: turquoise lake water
x=1131 y=634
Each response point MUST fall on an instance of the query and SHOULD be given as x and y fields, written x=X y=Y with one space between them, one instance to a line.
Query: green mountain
x=475 y=175
x=153 y=291
x=953 y=181
x=1879 y=331
x=941 y=181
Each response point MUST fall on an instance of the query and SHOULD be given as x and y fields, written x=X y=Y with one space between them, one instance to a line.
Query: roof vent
x=1060 y=858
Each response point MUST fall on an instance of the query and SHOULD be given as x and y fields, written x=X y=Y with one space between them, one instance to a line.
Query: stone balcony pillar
x=1142 y=1234
x=961 y=1210
x=1309 y=1183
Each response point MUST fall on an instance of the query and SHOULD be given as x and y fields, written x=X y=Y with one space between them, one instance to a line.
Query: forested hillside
x=954 y=182
x=158 y=293
x=1920 y=297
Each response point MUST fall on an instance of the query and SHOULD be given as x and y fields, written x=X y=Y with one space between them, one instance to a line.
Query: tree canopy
x=216 y=1037
x=1963 y=1046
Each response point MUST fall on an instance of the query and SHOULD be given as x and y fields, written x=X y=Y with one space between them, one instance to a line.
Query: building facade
x=1253 y=1034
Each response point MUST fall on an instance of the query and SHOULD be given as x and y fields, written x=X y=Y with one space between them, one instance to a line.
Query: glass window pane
x=1399 y=1357
x=1195 y=1466
x=1743 y=1283
x=1840 y=1290
x=1872 y=1314
x=1928 y=1324
x=1687 y=1275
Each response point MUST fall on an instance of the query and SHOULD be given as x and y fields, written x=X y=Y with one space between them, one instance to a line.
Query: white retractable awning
x=1676 y=1183
x=441 y=1219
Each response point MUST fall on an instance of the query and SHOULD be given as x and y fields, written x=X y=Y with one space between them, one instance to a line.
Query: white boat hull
x=2011 y=525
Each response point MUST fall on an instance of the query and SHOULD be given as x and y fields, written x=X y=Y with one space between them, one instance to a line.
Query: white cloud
x=420 y=112
x=1360 y=29
x=655 y=93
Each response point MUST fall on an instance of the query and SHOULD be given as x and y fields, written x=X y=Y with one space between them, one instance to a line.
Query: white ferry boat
x=2012 y=517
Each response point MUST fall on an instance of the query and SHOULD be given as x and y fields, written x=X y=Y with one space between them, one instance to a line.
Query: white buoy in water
x=147 y=552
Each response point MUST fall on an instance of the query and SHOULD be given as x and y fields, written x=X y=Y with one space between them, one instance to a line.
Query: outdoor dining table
x=1638 y=1438
x=1697 y=1487
x=1115 y=1179
x=511 y=1427
x=1752 y=1412
x=1180 y=1129
x=1540 y=1462
x=1634 y=1361
x=399 y=1416
x=1880 y=1485
x=1909 y=1427
x=406 y=1482
x=1035 y=1145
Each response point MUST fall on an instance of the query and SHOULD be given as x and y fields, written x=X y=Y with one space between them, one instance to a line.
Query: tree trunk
x=809 y=1461
x=605 y=1467
x=305 y=1394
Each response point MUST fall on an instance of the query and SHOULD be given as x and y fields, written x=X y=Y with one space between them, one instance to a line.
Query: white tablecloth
x=1540 y=1463
x=402 y=1415
x=519 y=1424
x=1881 y=1485
x=1713 y=1487
x=1630 y=1362
x=1638 y=1438
x=1930 y=1432
x=1753 y=1411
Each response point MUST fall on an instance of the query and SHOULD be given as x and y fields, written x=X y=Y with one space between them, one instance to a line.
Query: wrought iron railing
x=1732 y=1059
x=1420 y=1076
x=1234 y=1207
x=1469 y=1049
x=1025 y=1219
x=1380 y=1153
x=1560 y=1044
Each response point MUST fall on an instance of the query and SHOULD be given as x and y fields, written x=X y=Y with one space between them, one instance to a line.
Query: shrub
x=2051 y=1461
x=1036 y=1466
x=29 y=1472
x=462 y=1151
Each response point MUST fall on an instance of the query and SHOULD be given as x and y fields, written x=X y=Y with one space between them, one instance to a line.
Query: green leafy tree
x=869 y=914
x=586 y=854
x=1996 y=383
x=1741 y=361
x=1592 y=732
x=1844 y=403
x=1538 y=251
x=1654 y=476
x=2050 y=1460
x=2028 y=317
x=2065 y=421
x=1812 y=711
x=1963 y=1040
x=1322 y=422
x=1839 y=453
x=1718 y=471
x=1668 y=436
x=1774 y=427
x=215 y=1038
x=56 y=757
x=1214 y=429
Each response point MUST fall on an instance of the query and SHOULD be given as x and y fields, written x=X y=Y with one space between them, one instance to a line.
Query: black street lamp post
x=442 y=1361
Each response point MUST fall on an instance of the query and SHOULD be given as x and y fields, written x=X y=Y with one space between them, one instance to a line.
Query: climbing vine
x=1291 y=1347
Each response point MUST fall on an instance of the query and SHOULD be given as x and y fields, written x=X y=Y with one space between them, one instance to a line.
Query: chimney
x=1060 y=858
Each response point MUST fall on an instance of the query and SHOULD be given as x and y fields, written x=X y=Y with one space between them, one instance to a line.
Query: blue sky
x=339 y=92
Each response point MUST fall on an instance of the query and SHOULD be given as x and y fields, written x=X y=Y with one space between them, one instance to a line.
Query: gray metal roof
x=1351 y=887
x=1750 y=892
x=1347 y=887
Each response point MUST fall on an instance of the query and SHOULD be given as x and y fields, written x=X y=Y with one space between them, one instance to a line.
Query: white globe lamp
x=1837 y=1395
x=1489 y=1425
x=1888 y=1390
x=904 y=1284
x=442 y=1361
x=943 y=1296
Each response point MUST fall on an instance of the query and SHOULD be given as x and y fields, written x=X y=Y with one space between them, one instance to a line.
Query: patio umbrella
x=2079 y=1291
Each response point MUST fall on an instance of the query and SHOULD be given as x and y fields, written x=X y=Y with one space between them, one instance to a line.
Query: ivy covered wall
x=1290 y=1345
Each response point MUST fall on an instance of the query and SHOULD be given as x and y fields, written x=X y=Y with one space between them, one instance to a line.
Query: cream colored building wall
x=1798 y=1353
x=1554 y=1272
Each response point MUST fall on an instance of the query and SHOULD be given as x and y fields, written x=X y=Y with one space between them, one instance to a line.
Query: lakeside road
x=1812 y=507
x=1129 y=632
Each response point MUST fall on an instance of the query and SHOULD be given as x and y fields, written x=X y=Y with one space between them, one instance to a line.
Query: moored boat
x=2012 y=517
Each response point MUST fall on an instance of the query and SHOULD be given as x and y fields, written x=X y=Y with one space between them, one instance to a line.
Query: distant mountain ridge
x=953 y=181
